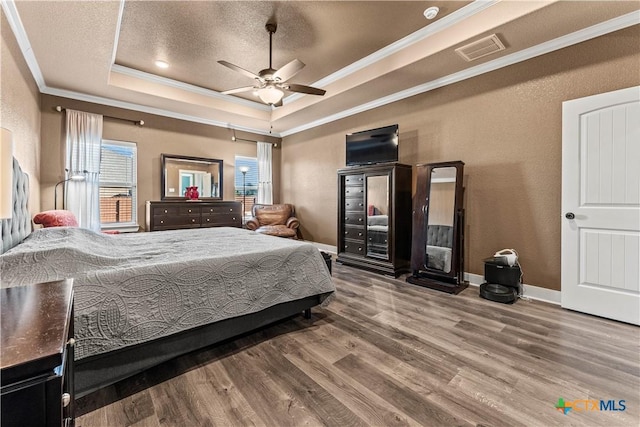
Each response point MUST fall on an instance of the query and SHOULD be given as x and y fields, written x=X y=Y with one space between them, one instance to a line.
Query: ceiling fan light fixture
x=270 y=94
x=162 y=64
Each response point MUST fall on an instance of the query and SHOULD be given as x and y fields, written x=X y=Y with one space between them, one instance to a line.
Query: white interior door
x=601 y=205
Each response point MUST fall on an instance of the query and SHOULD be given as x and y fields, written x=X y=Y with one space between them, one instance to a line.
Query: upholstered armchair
x=275 y=220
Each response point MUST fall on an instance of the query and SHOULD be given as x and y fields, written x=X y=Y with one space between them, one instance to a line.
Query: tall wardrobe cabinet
x=374 y=217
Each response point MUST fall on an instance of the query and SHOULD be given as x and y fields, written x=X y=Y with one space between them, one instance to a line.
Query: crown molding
x=165 y=81
x=615 y=24
x=415 y=37
x=150 y=110
x=603 y=28
x=13 y=17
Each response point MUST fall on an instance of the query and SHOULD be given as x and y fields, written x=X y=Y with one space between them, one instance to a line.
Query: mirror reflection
x=378 y=216
x=442 y=196
x=180 y=172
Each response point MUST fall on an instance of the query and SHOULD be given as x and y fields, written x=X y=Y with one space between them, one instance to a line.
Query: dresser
x=174 y=215
x=36 y=355
x=374 y=217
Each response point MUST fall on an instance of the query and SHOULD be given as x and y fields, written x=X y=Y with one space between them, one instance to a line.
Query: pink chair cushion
x=56 y=218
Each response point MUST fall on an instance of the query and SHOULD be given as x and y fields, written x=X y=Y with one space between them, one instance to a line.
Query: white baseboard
x=528 y=291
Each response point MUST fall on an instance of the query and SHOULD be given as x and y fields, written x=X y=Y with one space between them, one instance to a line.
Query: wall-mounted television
x=373 y=146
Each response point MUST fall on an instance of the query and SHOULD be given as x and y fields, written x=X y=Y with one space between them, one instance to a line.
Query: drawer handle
x=346 y=233
x=346 y=218
x=66 y=399
x=346 y=246
x=359 y=219
x=208 y=220
x=161 y=222
x=361 y=204
x=166 y=211
x=230 y=209
x=360 y=249
x=360 y=234
x=193 y=220
x=189 y=210
x=71 y=342
x=234 y=218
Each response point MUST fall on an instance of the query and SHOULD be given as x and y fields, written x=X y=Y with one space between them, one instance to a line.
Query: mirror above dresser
x=181 y=172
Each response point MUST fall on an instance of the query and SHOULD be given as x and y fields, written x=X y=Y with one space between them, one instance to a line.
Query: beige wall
x=20 y=110
x=505 y=125
x=158 y=135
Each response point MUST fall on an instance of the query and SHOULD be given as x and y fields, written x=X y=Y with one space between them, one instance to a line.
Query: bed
x=145 y=298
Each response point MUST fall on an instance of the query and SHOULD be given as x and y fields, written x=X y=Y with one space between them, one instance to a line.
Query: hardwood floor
x=387 y=353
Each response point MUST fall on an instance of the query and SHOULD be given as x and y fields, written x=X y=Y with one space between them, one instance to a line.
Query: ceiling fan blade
x=239 y=70
x=238 y=90
x=304 y=89
x=289 y=70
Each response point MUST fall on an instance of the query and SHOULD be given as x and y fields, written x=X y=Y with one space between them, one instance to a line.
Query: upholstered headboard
x=14 y=230
x=440 y=235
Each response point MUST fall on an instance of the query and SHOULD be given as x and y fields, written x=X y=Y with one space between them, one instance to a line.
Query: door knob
x=569 y=215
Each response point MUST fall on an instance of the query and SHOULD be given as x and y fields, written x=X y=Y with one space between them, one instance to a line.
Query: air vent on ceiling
x=483 y=47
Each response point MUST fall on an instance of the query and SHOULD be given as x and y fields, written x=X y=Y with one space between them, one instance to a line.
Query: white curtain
x=84 y=136
x=265 y=186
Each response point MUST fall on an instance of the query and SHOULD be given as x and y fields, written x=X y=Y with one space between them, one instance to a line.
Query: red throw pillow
x=56 y=218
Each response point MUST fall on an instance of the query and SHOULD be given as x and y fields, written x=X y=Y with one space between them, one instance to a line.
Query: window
x=118 y=178
x=248 y=182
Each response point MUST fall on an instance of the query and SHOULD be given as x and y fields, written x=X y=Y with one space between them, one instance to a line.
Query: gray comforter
x=132 y=288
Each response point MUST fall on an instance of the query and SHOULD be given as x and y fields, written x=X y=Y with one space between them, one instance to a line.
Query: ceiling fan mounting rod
x=271 y=28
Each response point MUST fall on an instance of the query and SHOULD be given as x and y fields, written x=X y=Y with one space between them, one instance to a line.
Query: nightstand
x=36 y=355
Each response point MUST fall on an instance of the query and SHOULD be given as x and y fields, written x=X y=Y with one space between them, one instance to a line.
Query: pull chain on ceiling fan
x=270 y=83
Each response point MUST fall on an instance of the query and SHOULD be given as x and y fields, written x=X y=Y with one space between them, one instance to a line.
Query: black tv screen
x=373 y=146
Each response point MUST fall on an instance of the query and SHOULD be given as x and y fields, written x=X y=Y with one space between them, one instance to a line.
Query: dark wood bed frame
x=95 y=372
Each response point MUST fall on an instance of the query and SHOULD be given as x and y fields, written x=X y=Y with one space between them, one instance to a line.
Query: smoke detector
x=431 y=12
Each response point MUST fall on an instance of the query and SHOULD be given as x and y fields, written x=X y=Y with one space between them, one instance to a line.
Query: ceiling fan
x=270 y=84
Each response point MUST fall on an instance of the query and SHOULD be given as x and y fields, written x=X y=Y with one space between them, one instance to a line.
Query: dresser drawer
x=354 y=218
x=180 y=221
x=354 y=232
x=188 y=210
x=354 y=191
x=354 y=204
x=222 y=220
x=165 y=210
x=354 y=247
x=222 y=209
x=354 y=179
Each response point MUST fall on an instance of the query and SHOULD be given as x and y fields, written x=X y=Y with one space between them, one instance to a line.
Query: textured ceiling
x=105 y=50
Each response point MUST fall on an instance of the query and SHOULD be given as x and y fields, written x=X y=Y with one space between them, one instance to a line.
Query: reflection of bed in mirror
x=439 y=244
x=377 y=232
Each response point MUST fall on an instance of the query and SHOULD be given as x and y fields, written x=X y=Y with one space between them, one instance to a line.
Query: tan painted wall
x=505 y=125
x=20 y=110
x=158 y=135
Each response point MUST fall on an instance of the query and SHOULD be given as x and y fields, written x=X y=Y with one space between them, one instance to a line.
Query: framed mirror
x=180 y=172
x=438 y=220
x=377 y=193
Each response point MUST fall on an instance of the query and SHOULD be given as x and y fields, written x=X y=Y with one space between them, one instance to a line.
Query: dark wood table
x=36 y=354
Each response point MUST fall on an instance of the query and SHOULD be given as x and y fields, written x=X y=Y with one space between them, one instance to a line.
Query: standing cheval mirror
x=438 y=223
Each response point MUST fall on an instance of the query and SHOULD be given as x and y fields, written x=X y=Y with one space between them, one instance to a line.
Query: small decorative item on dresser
x=192 y=193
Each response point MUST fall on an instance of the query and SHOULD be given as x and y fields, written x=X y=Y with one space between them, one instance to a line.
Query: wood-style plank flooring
x=387 y=353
